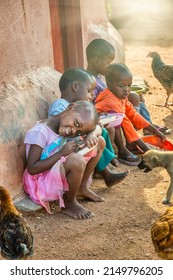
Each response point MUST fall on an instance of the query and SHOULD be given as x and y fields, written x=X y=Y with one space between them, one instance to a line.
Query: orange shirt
x=106 y=101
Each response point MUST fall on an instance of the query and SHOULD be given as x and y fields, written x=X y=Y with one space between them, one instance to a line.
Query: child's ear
x=75 y=86
x=96 y=61
x=70 y=107
x=109 y=85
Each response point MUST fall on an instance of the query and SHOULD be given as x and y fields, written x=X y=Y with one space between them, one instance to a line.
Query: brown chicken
x=162 y=235
x=163 y=73
x=16 y=239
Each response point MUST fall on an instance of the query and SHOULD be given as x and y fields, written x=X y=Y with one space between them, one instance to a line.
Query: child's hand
x=91 y=140
x=69 y=147
x=78 y=140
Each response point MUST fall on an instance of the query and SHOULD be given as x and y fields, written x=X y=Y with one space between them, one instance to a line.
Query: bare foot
x=89 y=194
x=76 y=210
x=115 y=177
x=115 y=162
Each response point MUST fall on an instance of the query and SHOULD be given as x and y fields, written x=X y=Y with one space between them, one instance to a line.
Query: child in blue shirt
x=78 y=84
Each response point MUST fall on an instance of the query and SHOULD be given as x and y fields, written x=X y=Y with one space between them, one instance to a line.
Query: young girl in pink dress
x=54 y=170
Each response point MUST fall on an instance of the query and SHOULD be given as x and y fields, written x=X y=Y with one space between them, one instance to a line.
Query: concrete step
x=26 y=204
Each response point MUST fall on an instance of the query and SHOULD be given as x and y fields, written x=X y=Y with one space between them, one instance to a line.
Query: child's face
x=121 y=85
x=85 y=91
x=103 y=62
x=74 y=123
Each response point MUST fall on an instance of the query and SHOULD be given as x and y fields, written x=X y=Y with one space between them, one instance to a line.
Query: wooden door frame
x=66 y=34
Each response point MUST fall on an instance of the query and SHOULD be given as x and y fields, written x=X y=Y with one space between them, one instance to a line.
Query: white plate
x=85 y=150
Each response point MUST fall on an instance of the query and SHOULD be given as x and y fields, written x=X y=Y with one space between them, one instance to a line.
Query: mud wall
x=28 y=82
x=22 y=103
x=95 y=24
x=25 y=33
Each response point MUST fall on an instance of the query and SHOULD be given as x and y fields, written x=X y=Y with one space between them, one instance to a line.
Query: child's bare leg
x=113 y=178
x=123 y=152
x=142 y=145
x=75 y=167
x=111 y=132
x=84 y=188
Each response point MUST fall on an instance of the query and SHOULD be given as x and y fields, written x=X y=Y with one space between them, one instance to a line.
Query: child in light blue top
x=78 y=84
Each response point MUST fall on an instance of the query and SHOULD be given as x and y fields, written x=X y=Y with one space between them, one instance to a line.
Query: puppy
x=154 y=158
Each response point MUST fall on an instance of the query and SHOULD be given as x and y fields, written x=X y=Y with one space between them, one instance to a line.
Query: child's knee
x=101 y=143
x=78 y=162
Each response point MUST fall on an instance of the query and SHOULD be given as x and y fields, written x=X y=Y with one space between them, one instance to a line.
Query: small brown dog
x=154 y=158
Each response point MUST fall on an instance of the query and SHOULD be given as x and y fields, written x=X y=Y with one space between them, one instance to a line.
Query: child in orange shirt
x=100 y=54
x=115 y=97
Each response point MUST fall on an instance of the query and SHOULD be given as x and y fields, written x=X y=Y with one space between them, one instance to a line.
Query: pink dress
x=49 y=185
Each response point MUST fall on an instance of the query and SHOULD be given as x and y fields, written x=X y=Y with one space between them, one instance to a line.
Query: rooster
x=16 y=239
x=163 y=73
x=162 y=235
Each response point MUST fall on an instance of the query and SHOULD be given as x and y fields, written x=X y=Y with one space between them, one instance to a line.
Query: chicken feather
x=162 y=235
x=163 y=73
x=16 y=239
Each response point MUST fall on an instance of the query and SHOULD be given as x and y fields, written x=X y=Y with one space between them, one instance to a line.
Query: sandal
x=131 y=160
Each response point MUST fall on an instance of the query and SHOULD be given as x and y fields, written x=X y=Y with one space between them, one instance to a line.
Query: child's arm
x=35 y=165
x=142 y=145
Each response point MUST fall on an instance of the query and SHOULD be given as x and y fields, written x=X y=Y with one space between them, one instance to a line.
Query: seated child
x=115 y=97
x=78 y=84
x=100 y=54
x=54 y=170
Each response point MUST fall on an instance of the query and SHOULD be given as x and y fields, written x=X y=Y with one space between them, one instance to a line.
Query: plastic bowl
x=156 y=141
x=137 y=89
x=118 y=120
x=111 y=119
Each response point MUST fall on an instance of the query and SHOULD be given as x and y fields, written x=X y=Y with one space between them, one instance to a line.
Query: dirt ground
x=120 y=228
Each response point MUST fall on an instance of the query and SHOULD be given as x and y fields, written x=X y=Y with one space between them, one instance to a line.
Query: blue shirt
x=57 y=106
